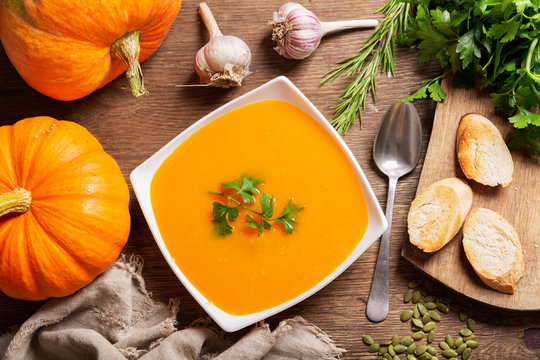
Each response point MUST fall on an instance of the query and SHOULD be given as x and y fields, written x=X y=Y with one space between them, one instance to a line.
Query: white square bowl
x=279 y=88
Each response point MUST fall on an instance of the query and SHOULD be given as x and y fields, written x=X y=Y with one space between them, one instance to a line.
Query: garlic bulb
x=224 y=61
x=298 y=32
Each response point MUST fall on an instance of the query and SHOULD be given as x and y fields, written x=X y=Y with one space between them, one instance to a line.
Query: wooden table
x=133 y=129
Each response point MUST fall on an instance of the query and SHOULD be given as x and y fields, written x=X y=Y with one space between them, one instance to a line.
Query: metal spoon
x=396 y=151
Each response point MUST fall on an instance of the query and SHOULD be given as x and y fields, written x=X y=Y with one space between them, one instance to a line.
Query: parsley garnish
x=246 y=190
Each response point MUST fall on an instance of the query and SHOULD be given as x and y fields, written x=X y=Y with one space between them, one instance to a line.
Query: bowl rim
x=279 y=88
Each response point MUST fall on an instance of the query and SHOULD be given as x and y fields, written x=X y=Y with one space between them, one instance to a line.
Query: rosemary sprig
x=376 y=53
x=246 y=189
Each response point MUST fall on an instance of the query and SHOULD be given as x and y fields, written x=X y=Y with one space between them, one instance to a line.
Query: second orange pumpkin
x=67 y=49
x=64 y=208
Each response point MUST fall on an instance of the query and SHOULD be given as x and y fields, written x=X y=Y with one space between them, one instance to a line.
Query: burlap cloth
x=115 y=318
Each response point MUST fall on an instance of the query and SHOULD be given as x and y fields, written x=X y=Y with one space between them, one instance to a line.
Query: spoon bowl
x=396 y=151
x=398 y=143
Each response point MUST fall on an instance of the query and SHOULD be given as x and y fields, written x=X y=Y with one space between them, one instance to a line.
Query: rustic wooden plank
x=133 y=129
x=517 y=203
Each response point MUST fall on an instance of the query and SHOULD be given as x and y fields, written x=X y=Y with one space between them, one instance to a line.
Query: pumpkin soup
x=275 y=142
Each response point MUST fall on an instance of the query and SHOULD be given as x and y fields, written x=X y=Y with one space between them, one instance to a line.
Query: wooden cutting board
x=519 y=203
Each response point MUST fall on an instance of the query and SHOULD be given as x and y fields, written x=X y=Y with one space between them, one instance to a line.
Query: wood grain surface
x=517 y=203
x=133 y=129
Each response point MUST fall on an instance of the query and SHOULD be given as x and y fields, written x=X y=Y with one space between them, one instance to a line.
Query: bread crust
x=505 y=282
x=482 y=152
x=438 y=212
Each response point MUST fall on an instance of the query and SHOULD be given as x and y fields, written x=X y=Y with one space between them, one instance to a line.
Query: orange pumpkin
x=63 y=208
x=66 y=49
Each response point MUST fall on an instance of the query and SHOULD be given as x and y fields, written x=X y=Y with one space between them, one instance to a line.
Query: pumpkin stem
x=127 y=49
x=16 y=200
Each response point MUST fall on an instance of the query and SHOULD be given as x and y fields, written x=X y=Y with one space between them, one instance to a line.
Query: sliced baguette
x=438 y=212
x=482 y=152
x=493 y=249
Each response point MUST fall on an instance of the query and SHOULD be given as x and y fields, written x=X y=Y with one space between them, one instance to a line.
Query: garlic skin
x=224 y=61
x=298 y=32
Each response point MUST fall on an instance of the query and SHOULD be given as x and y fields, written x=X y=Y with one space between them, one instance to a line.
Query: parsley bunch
x=246 y=189
x=494 y=40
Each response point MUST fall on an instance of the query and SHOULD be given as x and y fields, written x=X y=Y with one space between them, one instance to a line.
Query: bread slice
x=493 y=249
x=438 y=212
x=482 y=152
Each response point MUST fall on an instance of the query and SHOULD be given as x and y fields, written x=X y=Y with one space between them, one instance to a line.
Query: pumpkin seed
x=391 y=350
x=420 y=349
x=453 y=358
x=461 y=348
x=448 y=339
x=429 y=298
x=466 y=354
x=428 y=284
x=412 y=284
x=416 y=297
x=416 y=312
x=406 y=315
x=386 y=342
x=432 y=350
x=458 y=342
x=426 y=318
x=425 y=356
x=396 y=357
x=428 y=327
x=431 y=305
x=418 y=322
x=408 y=296
x=465 y=332
x=449 y=353
x=383 y=350
x=471 y=324
x=418 y=335
x=455 y=307
x=423 y=292
x=387 y=357
x=444 y=345
x=431 y=337
x=411 y=357
x=406 y=341
x=422 y=309
x=368 y=340
x=374 y=348
x=435 y=315
x=400 y=349
x=434 y=357
x=443 y=307
x=462 y=316
x=395 y=340
x=411 y=348
x=416 y=328
x=446 y=299
x=467 y=338
x=472 y=344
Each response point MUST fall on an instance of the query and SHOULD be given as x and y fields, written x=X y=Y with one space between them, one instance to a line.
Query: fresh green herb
x=246 y=189
x=376 y=53
x=496 y=41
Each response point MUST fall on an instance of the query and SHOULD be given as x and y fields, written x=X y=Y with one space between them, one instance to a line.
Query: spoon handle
x=377 y=305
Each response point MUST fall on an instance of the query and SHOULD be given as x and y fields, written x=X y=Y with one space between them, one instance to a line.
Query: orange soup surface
x=276 y=142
